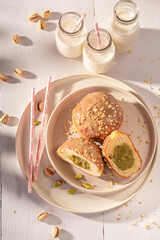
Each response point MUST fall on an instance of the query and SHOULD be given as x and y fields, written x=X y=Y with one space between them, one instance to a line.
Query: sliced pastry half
x=83 y=154
x=121 y=154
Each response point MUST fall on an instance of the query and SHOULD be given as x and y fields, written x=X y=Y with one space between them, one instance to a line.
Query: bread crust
x=86 y=149
x=105 y=151
x=97 y=115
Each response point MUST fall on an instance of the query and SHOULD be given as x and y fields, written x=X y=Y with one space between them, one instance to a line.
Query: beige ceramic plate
x=79 y=202
x=138 y=124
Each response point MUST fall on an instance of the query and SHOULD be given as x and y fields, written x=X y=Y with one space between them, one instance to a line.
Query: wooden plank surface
x=38 y=55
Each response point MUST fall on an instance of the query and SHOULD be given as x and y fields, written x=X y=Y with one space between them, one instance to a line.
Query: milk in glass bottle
x=124 y=25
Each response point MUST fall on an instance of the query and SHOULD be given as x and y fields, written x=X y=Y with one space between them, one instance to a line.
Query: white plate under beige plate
x=80 y=201
x=138 y=123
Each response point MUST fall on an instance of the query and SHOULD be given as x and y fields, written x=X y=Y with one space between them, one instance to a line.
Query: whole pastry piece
x=83 y=154
x=97 y=115
x=121 y=154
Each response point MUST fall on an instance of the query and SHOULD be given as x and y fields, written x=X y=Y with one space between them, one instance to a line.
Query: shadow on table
x=133 y=72
x=25 y=41
x=12 y=79
x=50 y=26
x=65 y=235
x=30 y=75
x=128 y=66
x=55 y=15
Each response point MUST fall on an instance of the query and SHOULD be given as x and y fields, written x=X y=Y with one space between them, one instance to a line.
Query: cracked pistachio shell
x=19 y=72
x=55 y=232
x=16 y=39
x=4 y=119
x=41 y=24
x=46 y=14
x=42 y=216
x=3 y=77
x=34 y=17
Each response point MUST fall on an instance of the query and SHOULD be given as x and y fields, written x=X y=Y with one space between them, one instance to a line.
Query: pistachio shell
x=42 y=216
x=34 y=17
x=4 y=119
x=40 y=106
x=19 y=72
x=49 y=171
x=46 y=14
x=58 y=183
x=55 y=232
x=3 y=77
x=41 y=24
x=16 y=39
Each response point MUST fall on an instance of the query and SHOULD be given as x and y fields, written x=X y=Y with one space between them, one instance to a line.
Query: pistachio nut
x=4 y=119
x=36 y=122
x=58 y=183
x=3 y=77
x=49 y=171
x=41 y=24
x=46 y=14
x=55 y=232
x=34 y=17
x=87 y=185
x=40 y=106
x=19 y=72
x=79 y=176
x=16 y=39
x=71 y=191
x=42 y=216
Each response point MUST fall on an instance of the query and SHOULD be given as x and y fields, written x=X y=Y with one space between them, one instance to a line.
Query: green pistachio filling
x=79 y=161
x=123 y=156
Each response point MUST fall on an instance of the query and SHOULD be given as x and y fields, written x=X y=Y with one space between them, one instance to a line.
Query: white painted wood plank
x=41 y=58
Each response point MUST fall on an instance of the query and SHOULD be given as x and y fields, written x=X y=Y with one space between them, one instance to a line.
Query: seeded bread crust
x=85 y=149
x=97 y=115
x=117 y=138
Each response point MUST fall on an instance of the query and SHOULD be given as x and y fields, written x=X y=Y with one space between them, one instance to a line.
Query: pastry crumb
x=140 y=59
x=140 y=202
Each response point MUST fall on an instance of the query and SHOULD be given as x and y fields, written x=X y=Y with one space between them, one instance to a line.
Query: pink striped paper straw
x=41 y=131
x=97 y=33
x=78 y=23
x=31 y=141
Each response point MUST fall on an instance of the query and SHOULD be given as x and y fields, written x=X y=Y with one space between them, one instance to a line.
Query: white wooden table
x=38 y=55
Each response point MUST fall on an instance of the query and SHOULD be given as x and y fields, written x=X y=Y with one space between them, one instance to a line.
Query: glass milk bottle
x=95 y=59
x=124 y=25
x=70 y=44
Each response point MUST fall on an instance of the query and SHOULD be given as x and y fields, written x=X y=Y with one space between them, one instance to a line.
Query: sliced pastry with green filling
x=121 y=154
x=83 y=154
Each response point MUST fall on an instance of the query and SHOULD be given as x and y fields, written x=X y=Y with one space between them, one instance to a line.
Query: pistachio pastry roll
x=121 y=154
x=83 y=154
x=97 y=115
